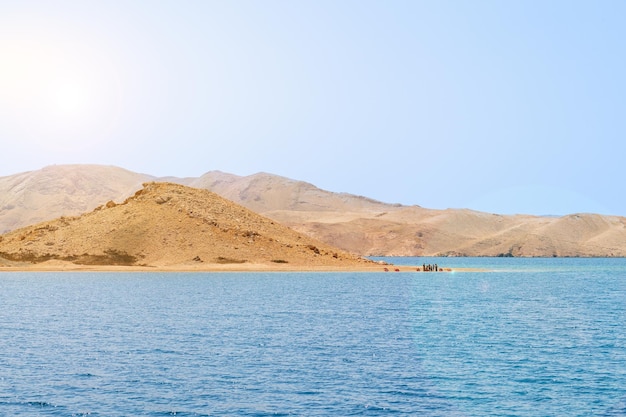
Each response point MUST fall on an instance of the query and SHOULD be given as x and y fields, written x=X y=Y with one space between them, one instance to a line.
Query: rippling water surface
x=532 y=337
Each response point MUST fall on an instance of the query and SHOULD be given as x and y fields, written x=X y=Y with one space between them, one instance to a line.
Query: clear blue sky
x=499 y=106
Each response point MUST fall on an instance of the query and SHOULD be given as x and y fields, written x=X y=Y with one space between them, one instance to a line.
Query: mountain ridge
x=353 y=223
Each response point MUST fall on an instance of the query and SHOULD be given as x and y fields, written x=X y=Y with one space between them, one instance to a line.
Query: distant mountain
x=69 y=190
x=422 y=232
x=265 y=192
x=354 y=223
x=166 y=225
x=58 y=190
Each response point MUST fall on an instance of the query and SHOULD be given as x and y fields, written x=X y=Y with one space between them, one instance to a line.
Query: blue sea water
x=531 y=337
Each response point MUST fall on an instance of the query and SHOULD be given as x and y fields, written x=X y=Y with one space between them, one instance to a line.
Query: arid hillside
x=265 y=193
x=62 y=190
x=70 y=190
x=353 y=223
x=421 y=232
x=166 y=225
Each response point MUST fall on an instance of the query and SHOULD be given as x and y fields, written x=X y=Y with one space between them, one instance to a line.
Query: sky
x=498 y=106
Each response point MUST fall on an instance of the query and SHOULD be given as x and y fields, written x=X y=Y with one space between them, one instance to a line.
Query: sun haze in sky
x=504 y=107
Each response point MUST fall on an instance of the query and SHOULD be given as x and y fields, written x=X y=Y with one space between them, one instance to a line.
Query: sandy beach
x=64 y=266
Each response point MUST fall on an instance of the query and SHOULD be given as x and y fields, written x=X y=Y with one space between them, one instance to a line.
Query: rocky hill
x=353 y=223
x=165 y=225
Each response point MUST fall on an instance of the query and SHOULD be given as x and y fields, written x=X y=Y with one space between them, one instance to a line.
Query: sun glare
x=68 y=100
x=67 y=110
x=61 y=96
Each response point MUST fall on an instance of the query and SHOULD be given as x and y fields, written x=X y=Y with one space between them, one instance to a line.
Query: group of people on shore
x=424 y=268
x=430 y=268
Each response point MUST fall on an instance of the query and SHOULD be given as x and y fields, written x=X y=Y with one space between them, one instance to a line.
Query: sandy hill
x=165 y=225
x=353 y=223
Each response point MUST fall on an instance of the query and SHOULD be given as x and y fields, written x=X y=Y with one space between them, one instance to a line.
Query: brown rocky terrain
x=168 y=225
x=353 y=223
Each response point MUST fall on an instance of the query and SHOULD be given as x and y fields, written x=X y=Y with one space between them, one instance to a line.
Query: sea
x=507 y=337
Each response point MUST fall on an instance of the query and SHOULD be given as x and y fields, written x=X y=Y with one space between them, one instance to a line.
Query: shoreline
x=60 y=266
